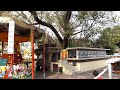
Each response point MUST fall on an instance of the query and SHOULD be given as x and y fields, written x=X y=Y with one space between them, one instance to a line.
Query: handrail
x=101 y=73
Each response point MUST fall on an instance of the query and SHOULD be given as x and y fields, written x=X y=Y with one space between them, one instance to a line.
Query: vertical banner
x=11 y=37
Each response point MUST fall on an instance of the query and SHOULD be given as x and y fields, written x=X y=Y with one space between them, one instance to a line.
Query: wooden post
x=2 y=47
x=57 y=59
x=11 y=55
x=44 y=57
x=32 y=44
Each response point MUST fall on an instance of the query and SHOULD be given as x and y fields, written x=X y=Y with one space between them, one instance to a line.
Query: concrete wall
x=87 y=66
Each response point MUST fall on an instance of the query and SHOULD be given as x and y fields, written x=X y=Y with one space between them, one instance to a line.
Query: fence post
x=110 y=71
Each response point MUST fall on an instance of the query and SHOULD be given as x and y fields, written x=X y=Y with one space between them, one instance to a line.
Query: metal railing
x=101 y=73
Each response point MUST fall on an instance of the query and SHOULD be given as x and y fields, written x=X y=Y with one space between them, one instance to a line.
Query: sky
x=48 y=30
x=116 y=13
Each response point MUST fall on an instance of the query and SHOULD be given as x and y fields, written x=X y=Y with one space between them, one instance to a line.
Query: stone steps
x=68 y=68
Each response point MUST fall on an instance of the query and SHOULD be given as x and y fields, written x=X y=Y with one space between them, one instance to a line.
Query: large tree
x=66 y=17
x=66 y=23
x=108 y=38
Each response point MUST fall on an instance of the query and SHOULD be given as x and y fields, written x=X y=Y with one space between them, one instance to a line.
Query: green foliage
x=109 y=38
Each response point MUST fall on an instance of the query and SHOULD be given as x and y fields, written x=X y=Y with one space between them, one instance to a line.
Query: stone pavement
x=85 y=75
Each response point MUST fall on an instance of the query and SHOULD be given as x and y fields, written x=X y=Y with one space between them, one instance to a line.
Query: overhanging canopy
x=22 y=34
x=22 y=30
x=19 y=39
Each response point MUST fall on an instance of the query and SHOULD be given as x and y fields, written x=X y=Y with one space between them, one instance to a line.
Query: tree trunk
x=66 y=25
x=65 y=42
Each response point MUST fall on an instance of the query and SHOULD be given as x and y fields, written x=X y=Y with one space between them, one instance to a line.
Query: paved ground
x=85 y=75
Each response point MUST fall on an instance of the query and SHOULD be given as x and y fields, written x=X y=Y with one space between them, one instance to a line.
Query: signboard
x=11 y=37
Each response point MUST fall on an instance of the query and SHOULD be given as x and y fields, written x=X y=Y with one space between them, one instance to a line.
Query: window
x=74 y=63
x=91 y=53
x=71 y=53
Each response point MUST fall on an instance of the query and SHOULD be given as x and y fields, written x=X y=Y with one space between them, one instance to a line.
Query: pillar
x=32 y=44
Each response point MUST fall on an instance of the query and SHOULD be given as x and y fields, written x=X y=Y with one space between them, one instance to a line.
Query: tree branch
x=81 y=29
x=67 y=16
x=46 y=24
x=66 y=22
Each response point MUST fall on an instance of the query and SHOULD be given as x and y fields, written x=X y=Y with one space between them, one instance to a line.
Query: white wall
x=91 y=65
x=78 y=66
